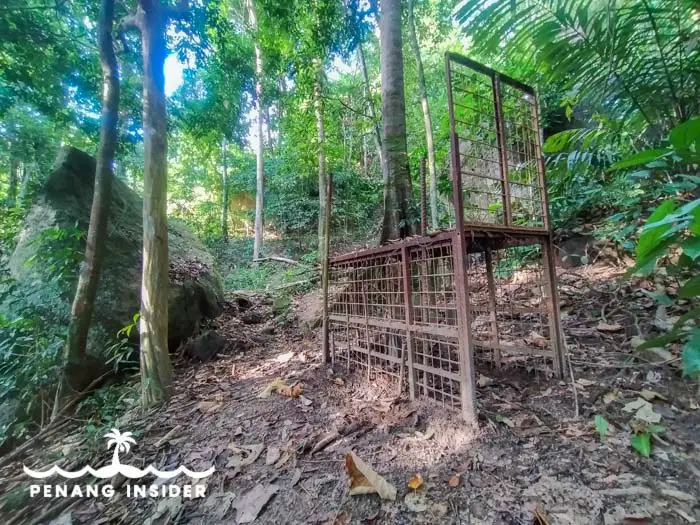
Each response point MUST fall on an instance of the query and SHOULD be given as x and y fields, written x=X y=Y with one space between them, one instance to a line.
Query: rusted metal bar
x=555 y=333
x=503 y=155
x=459 y=252
x=476 y=66
x=423 y=199
x=326 y=268
x=544 y=197
x=492 y=305
x=408 y=307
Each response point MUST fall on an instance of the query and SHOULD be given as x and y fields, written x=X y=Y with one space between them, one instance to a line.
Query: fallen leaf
x=605 y=327
x=285 y=457
x=272 y=386
x=650 y=395
x=217 y=505
x=283 y=358
x=538 y=340
x=273 y=454
x=292 y=391
x=609 y=397
x=166 y=512
x=339 y=381
x=207 y=406
x=483 y=381
x=253 y=501
x=244 y=454
x=364 y=480
x=296 y=476
x=425 y=436
x=415 y=482
x=585 y=382
x=416 y=501
x=305 y=401
x=643 y=410
x=454 y=480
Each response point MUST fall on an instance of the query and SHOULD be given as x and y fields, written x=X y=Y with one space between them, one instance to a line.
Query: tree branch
x=130 y=21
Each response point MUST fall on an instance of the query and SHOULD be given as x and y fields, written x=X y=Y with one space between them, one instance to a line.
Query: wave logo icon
x=121 y=443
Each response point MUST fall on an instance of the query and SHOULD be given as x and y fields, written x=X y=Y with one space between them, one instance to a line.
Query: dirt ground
x=535 y=458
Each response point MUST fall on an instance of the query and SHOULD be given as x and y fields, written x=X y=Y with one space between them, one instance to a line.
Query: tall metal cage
x=421 y=310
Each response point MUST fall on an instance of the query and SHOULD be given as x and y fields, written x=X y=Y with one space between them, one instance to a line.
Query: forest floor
x=532 y=460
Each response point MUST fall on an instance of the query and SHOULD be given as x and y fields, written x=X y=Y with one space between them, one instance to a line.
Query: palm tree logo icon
x=121 y=443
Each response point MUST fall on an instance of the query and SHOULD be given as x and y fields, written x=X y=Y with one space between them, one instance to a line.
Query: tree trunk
x=373 y=114
x=321 y=137
x=88 y=281
x=413 y=37
x=14 y=179
x=156 y=371
x=398 y=219
x=259 y=160
x=224 y=193
x=27 y=173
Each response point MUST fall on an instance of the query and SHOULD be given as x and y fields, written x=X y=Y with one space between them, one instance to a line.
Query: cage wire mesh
x=416 y=312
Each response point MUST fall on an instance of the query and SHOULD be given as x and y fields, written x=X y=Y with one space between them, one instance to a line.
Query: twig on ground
x=276 y=258
x=573 y=381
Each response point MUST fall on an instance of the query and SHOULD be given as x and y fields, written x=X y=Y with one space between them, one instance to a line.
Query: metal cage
x=419 y=311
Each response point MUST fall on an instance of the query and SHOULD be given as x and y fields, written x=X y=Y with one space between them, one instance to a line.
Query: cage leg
x=492 y=307
x=555 y=333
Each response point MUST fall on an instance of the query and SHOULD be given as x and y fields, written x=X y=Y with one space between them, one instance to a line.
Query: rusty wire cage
x=420 y=311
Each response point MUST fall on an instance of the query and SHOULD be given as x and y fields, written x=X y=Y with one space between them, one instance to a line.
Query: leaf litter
x=475 y=476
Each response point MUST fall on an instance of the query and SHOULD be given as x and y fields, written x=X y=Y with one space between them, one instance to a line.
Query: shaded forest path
x=530 y=450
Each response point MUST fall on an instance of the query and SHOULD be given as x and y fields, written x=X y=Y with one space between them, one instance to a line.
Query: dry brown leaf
x=415 y=482
x=650 y=395
x=305 y=401
x=292 y=391
x=605 y=327
x=339 y=381
x=244 y=454
x=454 y=480
x=272 y=386
x=483 y=381
x=425 y=436
x=364 y=480
x=253 y=501
x=207 y=406
x=273 y=454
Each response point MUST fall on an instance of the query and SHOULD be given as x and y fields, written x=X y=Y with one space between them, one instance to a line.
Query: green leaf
x=690 y=289
x=639 y=159
x=642 y=444
x=601 y=425
x=691 y=355
x=652 y=235
x=686 y=136
x=691 y=247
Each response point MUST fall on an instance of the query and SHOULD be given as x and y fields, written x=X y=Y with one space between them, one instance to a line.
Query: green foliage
x=641 y=443
x=59 y=252
x=601 y=425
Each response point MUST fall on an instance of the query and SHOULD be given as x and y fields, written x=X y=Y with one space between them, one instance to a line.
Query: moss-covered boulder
x=45 y=261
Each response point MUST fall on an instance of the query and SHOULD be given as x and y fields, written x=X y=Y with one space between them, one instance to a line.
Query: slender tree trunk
x=156 y=370
x=224 y=193
x=398 y=219
x=321 y=138
x=268 y=128
x=413 y=37
x=88 y=281
x=373 y=114
x=14 y=179
x=259 y=159
x=27 y=173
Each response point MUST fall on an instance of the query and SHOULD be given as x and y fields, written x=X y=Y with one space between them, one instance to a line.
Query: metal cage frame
x=419 y=310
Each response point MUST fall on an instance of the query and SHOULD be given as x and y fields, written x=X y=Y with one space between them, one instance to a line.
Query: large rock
x=64 y=202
